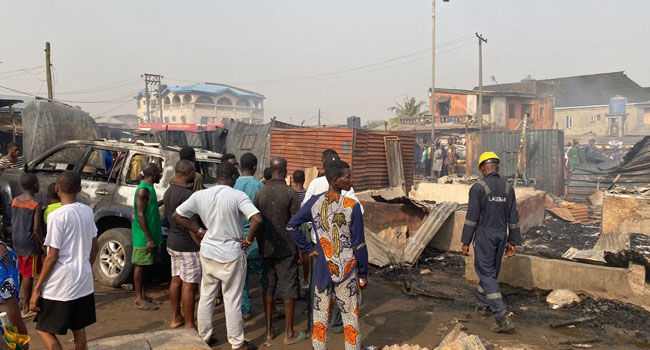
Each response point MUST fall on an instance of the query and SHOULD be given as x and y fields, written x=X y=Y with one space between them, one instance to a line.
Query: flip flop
x=299 y=338
x=147 y=306
x=153 y=301
x=28 y=314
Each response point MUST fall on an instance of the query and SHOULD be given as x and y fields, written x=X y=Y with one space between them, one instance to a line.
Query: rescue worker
x=491 y=213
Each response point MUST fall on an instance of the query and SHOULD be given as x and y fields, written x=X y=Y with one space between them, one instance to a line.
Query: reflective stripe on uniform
x=513 y=226
x=492 y=296
x=481 y=290
x=360 y=246
x=507 y=188
x=486 y=188
x=470 y=223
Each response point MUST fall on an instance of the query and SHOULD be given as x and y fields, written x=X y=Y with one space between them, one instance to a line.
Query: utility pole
x=433 y=71
x=48 y=71
x=152 y=80
x=319 y=117
x=479 y=108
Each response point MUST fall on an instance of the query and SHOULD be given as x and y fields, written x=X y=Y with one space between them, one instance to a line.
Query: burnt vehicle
x=109 y=178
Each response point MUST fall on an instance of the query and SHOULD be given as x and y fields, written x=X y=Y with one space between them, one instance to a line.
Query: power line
x=104 y=87
x=21 y=70
x=116 y=100
x=114 y=108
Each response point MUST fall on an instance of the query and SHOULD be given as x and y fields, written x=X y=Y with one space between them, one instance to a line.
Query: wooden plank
x=394 y=161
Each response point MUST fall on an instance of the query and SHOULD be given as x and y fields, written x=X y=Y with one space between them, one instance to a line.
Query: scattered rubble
x=561 y=298
x=458 y=179
x=556 y=236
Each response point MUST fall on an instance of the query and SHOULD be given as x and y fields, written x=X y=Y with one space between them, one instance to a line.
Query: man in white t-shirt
x=223 y=256
x=64 y=295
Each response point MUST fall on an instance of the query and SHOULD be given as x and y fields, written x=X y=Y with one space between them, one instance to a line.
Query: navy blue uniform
x=492 y=211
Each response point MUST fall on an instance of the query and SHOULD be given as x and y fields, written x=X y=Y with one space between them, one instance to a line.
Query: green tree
x=410 y=107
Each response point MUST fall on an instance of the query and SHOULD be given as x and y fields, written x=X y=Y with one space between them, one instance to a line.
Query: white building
x=201 y=104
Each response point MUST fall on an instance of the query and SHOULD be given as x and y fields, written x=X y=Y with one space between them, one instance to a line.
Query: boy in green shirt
x=146 y=231
x=54 y=200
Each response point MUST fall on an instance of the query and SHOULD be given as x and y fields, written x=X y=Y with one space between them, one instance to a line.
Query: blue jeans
x=255 y=265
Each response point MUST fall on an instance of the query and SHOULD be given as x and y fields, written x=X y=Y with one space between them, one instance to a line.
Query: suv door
x=50 y=165
x=100 y=173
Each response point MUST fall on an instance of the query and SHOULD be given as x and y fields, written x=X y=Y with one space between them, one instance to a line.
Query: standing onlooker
x=437 y=161
x=230 y=158
x=10 y=282
x=27 y=237
x=426 y=160
x=341 y=265
x=64 y=295
x=183 y=248
x=277 y=202
x=417 y=153
x=54 y=201
x=188 y=153
x=248 y=184
x=299 y=181
x=450 y=160
x=223 y=259
x=318 y=186
x=572 y=156
x=266 y=175
x=146 y=231
x=12 y=160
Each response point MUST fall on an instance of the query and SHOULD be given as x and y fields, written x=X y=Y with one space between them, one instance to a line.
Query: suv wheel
x=113 y=266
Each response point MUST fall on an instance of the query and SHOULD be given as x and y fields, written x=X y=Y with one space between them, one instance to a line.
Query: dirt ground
x=403 y=306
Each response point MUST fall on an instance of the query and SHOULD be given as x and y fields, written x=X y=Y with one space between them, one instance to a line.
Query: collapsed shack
x=398 y=230
x=634 y=171
x=48 y=123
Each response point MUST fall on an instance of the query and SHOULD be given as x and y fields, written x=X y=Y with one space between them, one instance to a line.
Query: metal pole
x=479 y=108
x=433 y=71
x=48 y=72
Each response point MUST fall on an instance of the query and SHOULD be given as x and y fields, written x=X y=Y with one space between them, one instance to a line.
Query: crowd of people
x=437 y=160
x=217 y=238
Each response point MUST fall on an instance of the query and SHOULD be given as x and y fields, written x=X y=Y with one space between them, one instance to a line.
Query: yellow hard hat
x=485 y=156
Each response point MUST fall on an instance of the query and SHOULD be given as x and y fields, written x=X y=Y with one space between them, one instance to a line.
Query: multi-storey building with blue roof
x=201 y=103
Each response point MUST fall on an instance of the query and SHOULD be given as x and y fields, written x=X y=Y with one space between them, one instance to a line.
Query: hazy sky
x=305 y=54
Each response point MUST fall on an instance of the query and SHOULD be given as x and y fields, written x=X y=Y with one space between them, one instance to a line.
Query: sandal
x=299 y=338
x=147 y=306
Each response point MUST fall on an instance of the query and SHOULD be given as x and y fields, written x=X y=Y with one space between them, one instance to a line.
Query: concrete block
x=626 y=214
x=531 y=214
x=174 y=339
x=531 y=272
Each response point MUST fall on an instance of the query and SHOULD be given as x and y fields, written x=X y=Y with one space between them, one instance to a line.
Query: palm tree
x=410 y=108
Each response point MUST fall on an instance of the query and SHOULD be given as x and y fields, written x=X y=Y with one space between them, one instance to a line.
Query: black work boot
x=503 y=325
x=483 y=312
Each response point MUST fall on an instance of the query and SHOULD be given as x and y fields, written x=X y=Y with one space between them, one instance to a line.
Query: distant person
x=54 y=202
x=426 y=160
x=299 y=182
x=183 y=248
x=437 y=161
x=229 y=157
x=277 y=202
x=64 y=295
x=492 y=224
x=27 y=235
x=248 y=184
x=341 y=266
x=572 y=156
x=223 y=256
x=266 y=175
x=12 y=160
x=450 y=160
x=146 y=232
x=417 y=153
x=188 y=153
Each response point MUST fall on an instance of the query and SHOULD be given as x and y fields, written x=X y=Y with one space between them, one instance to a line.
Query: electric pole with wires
x=152 y=80
x=48 y=71
x=479 y=108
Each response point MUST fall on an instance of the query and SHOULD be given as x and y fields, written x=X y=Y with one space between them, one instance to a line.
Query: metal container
x=617 y=105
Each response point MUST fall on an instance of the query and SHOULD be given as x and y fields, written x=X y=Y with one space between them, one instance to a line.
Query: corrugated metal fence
x=544 y=155
x=364 y=150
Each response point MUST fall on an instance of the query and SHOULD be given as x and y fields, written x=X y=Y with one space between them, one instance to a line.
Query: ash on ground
x=556 y=236
x=612 y=312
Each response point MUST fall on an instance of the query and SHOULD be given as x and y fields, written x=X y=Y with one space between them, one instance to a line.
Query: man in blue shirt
x=248 y=184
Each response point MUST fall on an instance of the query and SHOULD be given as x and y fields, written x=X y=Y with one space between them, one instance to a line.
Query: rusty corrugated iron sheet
x=364 y=150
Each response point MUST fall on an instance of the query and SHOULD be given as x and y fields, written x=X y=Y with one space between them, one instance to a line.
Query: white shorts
x=186 y=265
